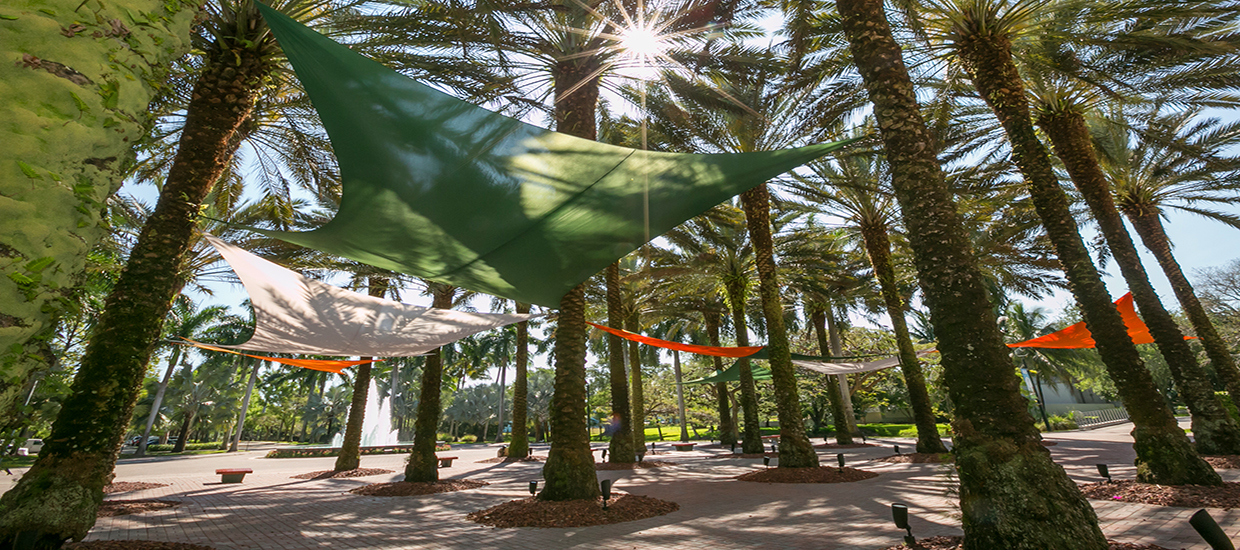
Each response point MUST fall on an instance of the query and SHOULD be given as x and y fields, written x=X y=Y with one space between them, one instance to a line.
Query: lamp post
x=899 y=513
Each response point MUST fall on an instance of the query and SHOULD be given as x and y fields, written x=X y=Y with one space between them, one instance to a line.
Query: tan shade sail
x=296 y=314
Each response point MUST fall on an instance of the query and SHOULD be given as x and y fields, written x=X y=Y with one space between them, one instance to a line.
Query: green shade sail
x=438 y=188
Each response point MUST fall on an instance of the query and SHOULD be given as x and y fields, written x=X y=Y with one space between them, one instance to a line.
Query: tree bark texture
x=569 y=472
x=837 y=350
x=423 y=466
x=727 y=430
x=878 y=246
x=818 y=316
x=245 y=406
x=680 y=397
x=1214 y=431
x=795 y=450
x=638 y=410
x=1149 y=227
x=751 y=433
x=350 y=457
x=183 y=433
x=1164 y=454
x=78 y=79
x=1012 y=495
x=520 y=445
x=621 y=449
x=57 y=498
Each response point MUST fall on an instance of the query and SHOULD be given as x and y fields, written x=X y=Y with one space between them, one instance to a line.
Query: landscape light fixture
x=897 y=448
x=1105 y=472
x=766 y=461
x=606 y=486
x=840 y=458
x=533 y=487
x=899 y=513
x=530 y=452
x=604 y=455
x=774 y=449
x=641 y=455
x=733 y=448
x=1210 y=531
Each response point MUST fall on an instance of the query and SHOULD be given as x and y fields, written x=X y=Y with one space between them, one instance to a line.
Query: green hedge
x=1228 y=404
x=333 y=451
x=188 y=447
x=899 y=430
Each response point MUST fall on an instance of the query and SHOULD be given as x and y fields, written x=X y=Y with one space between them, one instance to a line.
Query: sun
x=642 y=42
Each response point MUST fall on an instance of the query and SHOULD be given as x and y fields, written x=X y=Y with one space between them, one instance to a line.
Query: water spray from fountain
x=376 y=422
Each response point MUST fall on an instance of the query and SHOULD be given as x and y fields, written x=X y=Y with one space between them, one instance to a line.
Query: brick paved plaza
x=270 y=510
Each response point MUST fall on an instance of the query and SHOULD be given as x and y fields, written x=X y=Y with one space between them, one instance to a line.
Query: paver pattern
x=271 y=511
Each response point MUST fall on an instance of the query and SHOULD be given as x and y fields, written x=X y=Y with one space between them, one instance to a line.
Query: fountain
x=376 y=422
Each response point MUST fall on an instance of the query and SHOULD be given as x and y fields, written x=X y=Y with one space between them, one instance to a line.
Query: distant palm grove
x=1005 y=150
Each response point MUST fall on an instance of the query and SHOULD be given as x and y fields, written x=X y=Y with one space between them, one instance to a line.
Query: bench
x=445 y=461
x=683 y=446
x=232 y=475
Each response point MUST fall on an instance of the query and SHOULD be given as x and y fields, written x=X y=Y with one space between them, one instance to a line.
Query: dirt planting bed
x=821 y=474
x=111 y=508
x=633 y=465
x=329 y=474
x=917 y=458
x=129 y=486
x=531 y=512
x=1180 y=496
x=748 y=455
x=408 y=489
x=848 y=446
x=953 y=543
x=1226 y=462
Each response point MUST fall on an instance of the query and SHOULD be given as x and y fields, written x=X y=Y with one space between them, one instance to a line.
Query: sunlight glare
x=642 y=42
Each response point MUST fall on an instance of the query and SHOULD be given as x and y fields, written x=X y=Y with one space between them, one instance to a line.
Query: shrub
x=1059 y=423
x=443 y=437
x=333 y=451
x=1228 y=404
x=470 y=438
x=188 y=447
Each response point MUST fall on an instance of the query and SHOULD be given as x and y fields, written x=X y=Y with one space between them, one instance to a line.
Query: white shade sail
x=850 y=368
x=295 y=314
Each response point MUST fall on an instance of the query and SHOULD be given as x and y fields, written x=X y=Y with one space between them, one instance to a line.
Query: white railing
x=1099 y=418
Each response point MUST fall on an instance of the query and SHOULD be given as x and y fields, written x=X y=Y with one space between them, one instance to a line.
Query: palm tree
x=622 y=448
x=423 y=466
x=77 y=127
x=980 y=32
x=851 y=188
x=350 y=449
x=520 y=445
x=996 y=445
x=184 y=321
x=1174 y=161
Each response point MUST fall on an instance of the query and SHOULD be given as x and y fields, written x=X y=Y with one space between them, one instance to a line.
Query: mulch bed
x=1226 y=461
x=128 y=486
x=1181 y=496
x=633 y=465
x=848 y=446
x=917 y=458
x=500 y=459
x=408 y=489
x=748 y=455
x=531 y=512
x=111 y=508
x=330 y=474
x=953 y=543
x=133 y=545
x=821 y=474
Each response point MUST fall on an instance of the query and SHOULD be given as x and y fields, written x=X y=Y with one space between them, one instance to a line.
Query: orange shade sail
x=715 y=351
x=324 y=365
x=1078 y=337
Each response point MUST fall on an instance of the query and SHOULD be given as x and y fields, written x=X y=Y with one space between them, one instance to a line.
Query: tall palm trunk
x=638 y=410
x=74 y=103
x=350 y=457
x=751 y=433
x=1164 y=453
x=1149 y=227
x=520 y=445
x=680 y=397
x=837 y=350
x=878 y=246
x=727 y=429
x=569 y=471
x=245 y=407
x=393 y=384
x=1012 y=495
x=159 y=400
x=58 y=497
x=621 y=449
x=818 y=316
x=1214 y=430
x=423 y=466
x=795 y=450
x=183 y=434
x=499 y=430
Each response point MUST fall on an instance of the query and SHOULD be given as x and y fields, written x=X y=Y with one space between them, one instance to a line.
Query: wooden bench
x=446 y=461
x=232 y=475
x=683 y=446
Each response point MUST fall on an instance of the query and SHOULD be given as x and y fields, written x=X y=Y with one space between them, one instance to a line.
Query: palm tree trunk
x=837 y=350
x=680 y=397
x=818 y=316
x=68 y=154
x=751 y=434
x=569 y=471
x=520 y=445
x=1164 y=454
x=1149 y=227
x=878 y=246
x=621 y=449
x=183 y=434
x=1214 y=430
x=638 y=410
x=1011 y=494
x=245 y=407
x=499 y=431
x=350 y=457
x=159 y=400
x=795 y=450
x=58 y=496
x=727 y=429
x=423 y=466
